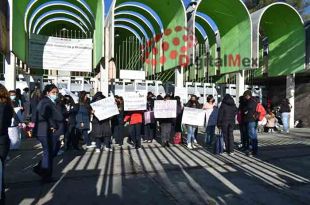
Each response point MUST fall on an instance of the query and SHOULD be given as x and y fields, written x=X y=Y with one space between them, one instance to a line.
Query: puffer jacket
x=227 y=112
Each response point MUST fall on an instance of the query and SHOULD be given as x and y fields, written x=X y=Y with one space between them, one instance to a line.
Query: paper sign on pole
x=134 y=101
x=192 y=116
x=165 y=108
x=105 y=108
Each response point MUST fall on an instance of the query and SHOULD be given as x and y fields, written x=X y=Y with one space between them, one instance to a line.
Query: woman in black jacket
x=101 y=130
x=226 y=121
x=118 y=122
x=45 y=127
x=71 y=138
x=6 y=114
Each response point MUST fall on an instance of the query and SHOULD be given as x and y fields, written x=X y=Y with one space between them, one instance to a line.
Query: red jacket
x=133 y=118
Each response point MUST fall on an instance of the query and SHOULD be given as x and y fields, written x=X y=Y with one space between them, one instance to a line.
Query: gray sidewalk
x=155 y=175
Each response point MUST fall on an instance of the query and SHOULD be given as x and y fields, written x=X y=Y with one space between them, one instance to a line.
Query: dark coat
x=250 y=110
x=101 y=128
x=70 y=115
x=58 y=115
x=227 y=112
x=45 y=118
x=285 y=107
x=6 y=114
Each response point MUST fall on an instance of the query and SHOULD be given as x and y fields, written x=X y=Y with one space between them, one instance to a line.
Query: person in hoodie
x=211 y=119
x=45 y=127
x=226 y=121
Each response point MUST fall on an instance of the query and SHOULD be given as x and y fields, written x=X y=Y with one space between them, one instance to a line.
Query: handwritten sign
x=192 y=116
x=134 y=101
x=165 y=108
x=105 y=108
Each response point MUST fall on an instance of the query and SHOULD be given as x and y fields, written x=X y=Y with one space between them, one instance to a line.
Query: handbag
x=15 y=137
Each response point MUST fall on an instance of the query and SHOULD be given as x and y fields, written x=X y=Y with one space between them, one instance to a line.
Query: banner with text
x=165 y=108
x=52 y=53
x=134 y=101
x=105 y=108
x=192 y=116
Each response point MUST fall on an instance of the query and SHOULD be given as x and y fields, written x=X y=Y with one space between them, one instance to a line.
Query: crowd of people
x=50 y=115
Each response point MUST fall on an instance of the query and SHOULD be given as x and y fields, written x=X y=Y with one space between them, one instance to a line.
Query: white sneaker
x=93 y=143
x=195 y=142
x=111 y=150
x=194 y=146
x=97 y=150
x=106 y=149
x=90 y=146
x=189 y=146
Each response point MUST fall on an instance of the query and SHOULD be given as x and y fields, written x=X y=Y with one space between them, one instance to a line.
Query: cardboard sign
x=105 y=108
x=165 y=108
x=134 y=101
x=192 y=116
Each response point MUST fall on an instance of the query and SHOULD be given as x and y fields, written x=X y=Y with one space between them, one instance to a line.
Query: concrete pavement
x=155 y=175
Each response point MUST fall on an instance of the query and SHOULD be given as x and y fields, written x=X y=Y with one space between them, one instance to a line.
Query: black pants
x=135 y=133
x=165 y=132
x=244 y=136
x=227 y=130
x=4 y=150
x=149 y=131
x=106 y=140
x=71 y=139
x=50 y=147
x=118 y=134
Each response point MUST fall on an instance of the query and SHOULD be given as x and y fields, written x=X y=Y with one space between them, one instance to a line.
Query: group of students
x=54 y=115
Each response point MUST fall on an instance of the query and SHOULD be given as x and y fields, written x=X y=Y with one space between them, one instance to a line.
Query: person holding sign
x=226 y=121
x=149 y=120
x=101 y=129
x=166 y=125
x=191 y=129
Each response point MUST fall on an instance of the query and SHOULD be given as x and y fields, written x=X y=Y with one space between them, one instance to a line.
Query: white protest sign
x=134 y=101
x=192 y=116
x=181 y=92
x=165 y=108
x=105 y=108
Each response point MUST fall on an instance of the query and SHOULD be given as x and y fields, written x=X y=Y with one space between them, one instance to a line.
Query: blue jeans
x=285 y=116
x=190 y=133
x=210 y=132
x=251 y=129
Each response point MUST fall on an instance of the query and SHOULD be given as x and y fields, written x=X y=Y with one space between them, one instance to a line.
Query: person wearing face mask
x=71 y=139
x=45 y=127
